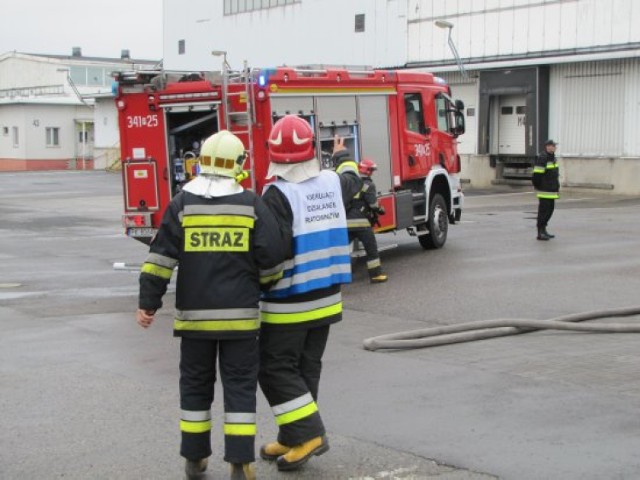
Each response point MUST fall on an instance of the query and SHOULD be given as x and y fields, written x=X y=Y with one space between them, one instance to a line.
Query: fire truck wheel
x=437 y=223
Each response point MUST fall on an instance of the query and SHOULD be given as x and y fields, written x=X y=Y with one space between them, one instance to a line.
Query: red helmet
x=367 y=167
x=291 y=140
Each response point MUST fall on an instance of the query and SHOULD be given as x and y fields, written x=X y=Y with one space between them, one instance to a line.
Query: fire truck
x=404 y=121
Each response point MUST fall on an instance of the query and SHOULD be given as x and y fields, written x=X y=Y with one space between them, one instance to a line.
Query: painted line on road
x=501 y=194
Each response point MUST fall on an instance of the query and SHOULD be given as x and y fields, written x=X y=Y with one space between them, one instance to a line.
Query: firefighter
x=362 y=207
x=546 y=180
x=297 y=312
x=228 y=246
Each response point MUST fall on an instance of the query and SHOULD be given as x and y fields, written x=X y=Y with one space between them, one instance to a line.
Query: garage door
x=512 y=113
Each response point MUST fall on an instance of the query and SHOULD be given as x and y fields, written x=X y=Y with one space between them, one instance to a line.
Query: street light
x=454 y=50
x=223 y=54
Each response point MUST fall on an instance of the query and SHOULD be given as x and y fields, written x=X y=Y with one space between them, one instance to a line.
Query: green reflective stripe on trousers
x=157 y=270
x=538 y=170
x=240 y=429
x=548 y=196
x=195 y=427
x=217 y=221
x=297 y=414
x=299 y=317
x=216 y=325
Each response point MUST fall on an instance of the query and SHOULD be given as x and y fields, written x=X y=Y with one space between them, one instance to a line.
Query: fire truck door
x=415 y=145
x=442 y=141
x=141 y=185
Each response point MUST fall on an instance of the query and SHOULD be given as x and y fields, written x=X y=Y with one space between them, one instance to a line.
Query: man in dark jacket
x=362 y=206
x=546 y=180
x=228 y=245
x=298 y=311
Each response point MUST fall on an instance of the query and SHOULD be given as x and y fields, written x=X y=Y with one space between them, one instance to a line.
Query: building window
x=95 y=76
x=91 y=76
x=181 y=47
x=78 y=75
x=441 y=114
x=232 y=7
x=414 y=114
x=83 y=137
x=53 y=136
x=521 y=110
x=359 y=22
x=15 y=137
x=506 y=110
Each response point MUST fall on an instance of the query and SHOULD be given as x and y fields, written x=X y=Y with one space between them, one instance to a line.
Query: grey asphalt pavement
x=87 y=394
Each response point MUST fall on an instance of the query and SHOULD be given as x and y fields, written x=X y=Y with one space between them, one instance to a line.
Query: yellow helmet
x=222 y=154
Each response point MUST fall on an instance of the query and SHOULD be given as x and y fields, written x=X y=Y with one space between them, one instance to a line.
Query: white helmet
x=222 y=154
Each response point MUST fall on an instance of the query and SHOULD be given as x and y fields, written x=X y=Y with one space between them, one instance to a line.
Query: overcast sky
x=100 y=28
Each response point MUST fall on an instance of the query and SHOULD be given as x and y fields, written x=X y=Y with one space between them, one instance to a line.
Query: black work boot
x=194 y=468
x=547 y=233
x=542 y=235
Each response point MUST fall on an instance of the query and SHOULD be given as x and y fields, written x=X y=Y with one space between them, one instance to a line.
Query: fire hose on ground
x=483 y=329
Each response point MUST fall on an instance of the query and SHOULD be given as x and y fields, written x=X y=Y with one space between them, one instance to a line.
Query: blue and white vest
x=320 y=240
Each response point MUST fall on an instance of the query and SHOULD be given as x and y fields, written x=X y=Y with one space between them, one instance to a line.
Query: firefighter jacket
x=546 y=176
x=353 y=188
x=227 y=248
x=312 y=215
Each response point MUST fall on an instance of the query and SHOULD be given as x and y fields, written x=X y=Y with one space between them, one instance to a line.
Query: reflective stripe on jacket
x=546 y=176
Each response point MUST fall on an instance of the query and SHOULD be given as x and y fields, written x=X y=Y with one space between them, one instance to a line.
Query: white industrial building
x=58 y=112
x=535 y=69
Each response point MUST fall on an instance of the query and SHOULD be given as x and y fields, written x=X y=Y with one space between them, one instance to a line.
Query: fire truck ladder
x=244 y=117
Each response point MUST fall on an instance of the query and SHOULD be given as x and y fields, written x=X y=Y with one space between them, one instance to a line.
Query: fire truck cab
x=406 y=122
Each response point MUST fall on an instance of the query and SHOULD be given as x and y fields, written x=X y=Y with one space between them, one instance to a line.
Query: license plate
x=141 y=232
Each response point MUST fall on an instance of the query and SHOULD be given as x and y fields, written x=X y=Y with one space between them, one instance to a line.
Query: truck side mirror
x=459 y=127
x=459 y=105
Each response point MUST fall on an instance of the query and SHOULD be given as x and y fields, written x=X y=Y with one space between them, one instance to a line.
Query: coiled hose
x=471 y=331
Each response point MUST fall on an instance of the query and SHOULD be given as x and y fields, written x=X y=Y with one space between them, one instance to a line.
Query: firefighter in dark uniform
x=546 y=180
x=228 y=245
x=362 y=209
x=297 y=312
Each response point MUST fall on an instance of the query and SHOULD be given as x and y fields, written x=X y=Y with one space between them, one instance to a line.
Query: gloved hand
x=380 y=210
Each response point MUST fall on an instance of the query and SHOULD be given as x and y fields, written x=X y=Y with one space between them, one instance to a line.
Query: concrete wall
x=516 y=27
x=476 y=171
x=308 y=32
x=619 y=176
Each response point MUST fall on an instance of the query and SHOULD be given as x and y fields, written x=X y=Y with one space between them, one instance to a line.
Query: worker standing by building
x=228 y=245
x=546 y=180
x=297 y=312
x=362 y=208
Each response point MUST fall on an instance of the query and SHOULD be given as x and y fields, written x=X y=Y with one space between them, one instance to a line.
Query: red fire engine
x=404 y=121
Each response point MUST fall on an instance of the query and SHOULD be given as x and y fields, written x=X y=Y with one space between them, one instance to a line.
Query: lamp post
x=223 y=54
x=452 y=45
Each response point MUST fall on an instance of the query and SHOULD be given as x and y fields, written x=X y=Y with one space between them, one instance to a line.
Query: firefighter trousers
x=290 y=366
x=368 y=240
x=238 y=365
x=545 y=211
